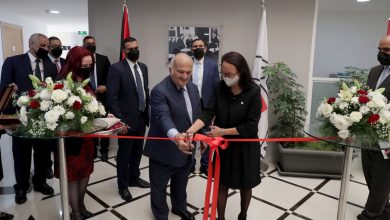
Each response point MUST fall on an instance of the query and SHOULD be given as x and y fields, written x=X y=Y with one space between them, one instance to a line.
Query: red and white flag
x=125 y=33
x=261 y=61
x=388 y=27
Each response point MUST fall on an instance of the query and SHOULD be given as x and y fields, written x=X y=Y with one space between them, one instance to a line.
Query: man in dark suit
x=98 y=81
x=127 y=87
x=16 y=70
x=205 y=76
x=375 y=167
x=175 y=104
x=55 y=51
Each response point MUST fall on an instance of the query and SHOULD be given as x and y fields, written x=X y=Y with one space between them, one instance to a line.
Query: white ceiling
x=71 y=11
x=352 y=5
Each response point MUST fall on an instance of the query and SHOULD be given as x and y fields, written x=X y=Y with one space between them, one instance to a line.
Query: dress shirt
x=33 y=63
x=198 y=79
x=385 y=73
x=131 y=64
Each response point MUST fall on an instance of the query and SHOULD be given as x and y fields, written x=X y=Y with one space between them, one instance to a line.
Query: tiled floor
x=277 y=197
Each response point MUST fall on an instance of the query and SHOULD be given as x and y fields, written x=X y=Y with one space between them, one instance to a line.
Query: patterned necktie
x=195 y=77
x=92 y=81
x=37 y=70
x=56 y=61
x=188 y=102
x=140 y=90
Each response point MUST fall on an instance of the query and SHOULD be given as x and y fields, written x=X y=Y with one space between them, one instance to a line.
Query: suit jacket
x=122 y=93
x=168 y=110
x=102 y=67
x=373 y=77
x=210 y=80
x=16 y=70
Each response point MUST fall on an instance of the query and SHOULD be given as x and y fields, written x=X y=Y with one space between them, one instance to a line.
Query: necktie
x=188 y=102
x=92 y=81
x=383 y=76
x=195 y=77
x=57 y=65
x=37 y=70
x=140 y=89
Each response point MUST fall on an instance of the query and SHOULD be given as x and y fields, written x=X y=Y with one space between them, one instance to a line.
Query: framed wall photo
x=180 y=38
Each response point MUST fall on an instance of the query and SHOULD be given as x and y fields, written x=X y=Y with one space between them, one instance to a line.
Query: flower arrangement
x=356 y=111
x=55 y=107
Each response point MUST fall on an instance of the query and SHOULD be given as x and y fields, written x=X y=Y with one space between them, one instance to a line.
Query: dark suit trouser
x=159 y=175
x=377 y=175
x=129 y=157
x=103 y=143
x=21 y=149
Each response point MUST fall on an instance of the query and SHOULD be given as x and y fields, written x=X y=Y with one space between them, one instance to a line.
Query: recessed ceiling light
x=53 y=11
x=363 y=0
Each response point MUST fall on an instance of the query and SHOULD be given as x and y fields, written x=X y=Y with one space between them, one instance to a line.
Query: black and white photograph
x=181 y=37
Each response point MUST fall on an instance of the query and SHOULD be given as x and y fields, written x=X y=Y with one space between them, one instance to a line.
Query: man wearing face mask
x=16 y=70
x=98 y=81
x=55 y=52
x=375 y=167
x=205 y=76
x=127 y=87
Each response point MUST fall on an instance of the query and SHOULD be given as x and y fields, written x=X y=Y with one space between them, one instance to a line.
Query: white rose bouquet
x=356 y=111
x=54 y=107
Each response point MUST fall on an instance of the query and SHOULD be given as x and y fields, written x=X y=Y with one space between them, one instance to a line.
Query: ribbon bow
x=214 y=143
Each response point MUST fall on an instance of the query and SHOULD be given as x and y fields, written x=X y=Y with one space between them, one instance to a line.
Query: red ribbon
x=214 y=143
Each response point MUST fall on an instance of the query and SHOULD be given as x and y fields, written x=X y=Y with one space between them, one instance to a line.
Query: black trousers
x=129 y=157
x=21 y=149
x=103 y=142
x=377 y=175
x=159 y=175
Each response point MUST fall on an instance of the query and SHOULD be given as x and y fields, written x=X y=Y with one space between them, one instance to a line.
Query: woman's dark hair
x=73 y=62
x=242 y=67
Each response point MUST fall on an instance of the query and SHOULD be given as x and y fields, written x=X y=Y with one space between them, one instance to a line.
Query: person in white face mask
x=236 y=107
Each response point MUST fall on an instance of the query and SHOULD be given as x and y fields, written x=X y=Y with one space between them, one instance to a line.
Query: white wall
x=29 y=27
x=289 y=27
x=347 y=39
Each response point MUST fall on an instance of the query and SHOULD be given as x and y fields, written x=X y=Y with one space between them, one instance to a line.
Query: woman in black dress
x=236 y=106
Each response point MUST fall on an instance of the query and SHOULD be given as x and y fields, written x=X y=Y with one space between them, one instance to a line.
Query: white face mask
x=231 y=81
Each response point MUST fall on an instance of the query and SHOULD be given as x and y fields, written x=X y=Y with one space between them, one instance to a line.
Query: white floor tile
x=279 y=193
x=332 y=188
x=310 y=183
x=102 y=171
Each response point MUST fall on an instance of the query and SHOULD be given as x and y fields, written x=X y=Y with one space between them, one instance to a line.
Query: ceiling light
x=53 y=11
x=363 y=0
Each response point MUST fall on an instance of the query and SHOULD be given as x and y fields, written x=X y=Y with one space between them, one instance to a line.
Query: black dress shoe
x=140 y=183
x=6 y=216
x=104 y=157
x=125 y=194
x=87 y=214
x=44 y=189
x=49 y=173
x=20 y=196
x=204 y=170
x=186 y=215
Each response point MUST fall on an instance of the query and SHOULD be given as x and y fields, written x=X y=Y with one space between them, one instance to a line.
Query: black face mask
x=56 y=52
x=91 y=48
x=86 y=71
x=42 y=53
x=133 y=55
x=198 y=53
x=384 y=58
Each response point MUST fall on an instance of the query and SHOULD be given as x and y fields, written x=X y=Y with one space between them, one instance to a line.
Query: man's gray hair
x=172 y=64
x=34 y=38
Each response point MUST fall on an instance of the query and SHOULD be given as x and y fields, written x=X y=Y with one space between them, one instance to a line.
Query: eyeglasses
x=384 y=49
x=228 y=75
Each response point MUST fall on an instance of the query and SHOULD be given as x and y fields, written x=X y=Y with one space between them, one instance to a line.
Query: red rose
x=58 y=86
x=331 y=100
x=34 y=104
x=32 y=93
x=373 y=118
x=362 y=92
x=76 y=105
x=363 y=99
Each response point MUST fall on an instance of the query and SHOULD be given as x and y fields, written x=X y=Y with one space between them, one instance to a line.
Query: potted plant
x=288 y=106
